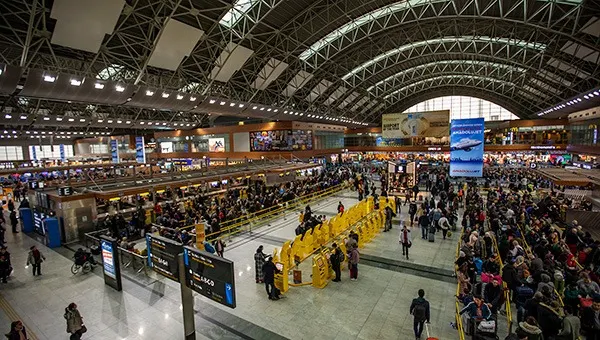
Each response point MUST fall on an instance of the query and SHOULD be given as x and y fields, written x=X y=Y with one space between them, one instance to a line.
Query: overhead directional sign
x=210 y=275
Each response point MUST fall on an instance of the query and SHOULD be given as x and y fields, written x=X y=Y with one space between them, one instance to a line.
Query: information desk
x=162 y=256
x=209 y=275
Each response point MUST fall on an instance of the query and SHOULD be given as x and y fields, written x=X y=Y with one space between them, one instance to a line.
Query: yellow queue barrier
x=367 y=222
x=505 y=287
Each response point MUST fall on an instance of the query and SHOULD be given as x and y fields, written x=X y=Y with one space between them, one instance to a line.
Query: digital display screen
x=38 y=222
x=108 y=259
x=162 y=256
x=210 y=275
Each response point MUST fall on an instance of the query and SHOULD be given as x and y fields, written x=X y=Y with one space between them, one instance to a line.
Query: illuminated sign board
x=110 y=263
x=210 y=275
x=162 y=256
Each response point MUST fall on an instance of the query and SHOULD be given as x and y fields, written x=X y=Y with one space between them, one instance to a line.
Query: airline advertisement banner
x=61 y=148
x=466 y=147
x=416 y=124
x=140 y=152
x=114 y=150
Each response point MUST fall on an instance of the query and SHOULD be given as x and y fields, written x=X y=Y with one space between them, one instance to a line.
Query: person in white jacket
x=405 y=240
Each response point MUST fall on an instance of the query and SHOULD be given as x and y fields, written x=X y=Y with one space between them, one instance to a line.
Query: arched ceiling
x=340 y=58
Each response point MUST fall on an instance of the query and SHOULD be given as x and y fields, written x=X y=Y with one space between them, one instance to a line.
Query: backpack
x=420 y=312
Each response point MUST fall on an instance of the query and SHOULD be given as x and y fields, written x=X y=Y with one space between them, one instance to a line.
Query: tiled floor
x=373 y=307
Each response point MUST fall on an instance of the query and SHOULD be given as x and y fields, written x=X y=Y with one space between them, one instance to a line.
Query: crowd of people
x=513 y=250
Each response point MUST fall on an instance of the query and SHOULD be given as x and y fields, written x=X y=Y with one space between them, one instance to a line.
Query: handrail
x=231 y=229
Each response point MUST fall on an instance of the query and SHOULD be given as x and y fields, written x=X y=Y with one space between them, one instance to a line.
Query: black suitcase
x=431 y=237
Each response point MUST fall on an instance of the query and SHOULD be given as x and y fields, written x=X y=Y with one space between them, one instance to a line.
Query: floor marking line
x=14 y=316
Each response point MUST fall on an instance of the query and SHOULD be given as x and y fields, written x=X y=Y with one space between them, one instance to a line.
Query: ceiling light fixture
x=71 y=120
x=46 y=118
x=254 y=107
x=99 y=86
x=149 y=93
x=165 y=95
x=119 y=88
x=128 y=122
x=179 y=97
x=23 y=117
x=75 y=82
x=100 y=120
x=49 y=79
x=241 y=105
x=109 y=121
x=192 y=99
x=222 y=103
x=142 y=123
x=212 y=101
x=59 y=119
x=82 y=120
x=8 y=116
x=232 y=104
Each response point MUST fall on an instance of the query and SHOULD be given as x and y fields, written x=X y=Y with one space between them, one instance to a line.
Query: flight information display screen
x=210 y=275
x=162 y=256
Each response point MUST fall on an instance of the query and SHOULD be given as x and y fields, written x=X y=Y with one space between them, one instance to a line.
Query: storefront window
x=329 y=140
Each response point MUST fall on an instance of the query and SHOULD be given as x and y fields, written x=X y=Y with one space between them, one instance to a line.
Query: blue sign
x=466 y=147
x=186 y=147
x=140 y=152
x=114 y=150
x=108 y=259
x=61 y=147
x=33 y=153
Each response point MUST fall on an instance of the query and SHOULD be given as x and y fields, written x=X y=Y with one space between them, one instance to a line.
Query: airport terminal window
x=328 y=140
x=99 y=148
x=585 y=134
x=11 y=153
x=465 y=107
x=52 y=151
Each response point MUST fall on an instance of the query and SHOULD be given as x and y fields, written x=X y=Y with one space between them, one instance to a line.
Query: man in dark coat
x=269 y=269
x=337 y=257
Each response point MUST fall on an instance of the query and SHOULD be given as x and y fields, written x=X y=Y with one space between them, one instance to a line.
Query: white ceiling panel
x=335 y=95
x=175 y=43
x=348 y=100
x=232 y=59
x=318 y=90
x=299 y=80
x=269 y=73
x=553 y=77
x=592 y=27
x=83 y=24
x=545 y=86
x=359 y=103
x=581 y=52
x=561 y=65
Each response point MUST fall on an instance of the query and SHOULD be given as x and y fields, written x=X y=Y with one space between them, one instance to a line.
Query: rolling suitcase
x=429 y=337
x=431 y=237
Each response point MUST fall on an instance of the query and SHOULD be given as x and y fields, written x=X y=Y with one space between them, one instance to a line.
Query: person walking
x=11 y=205
x=74 y=322
x=398 y=201
x=259 y=261
x=353 y=260
x=14 y=221
x=269 y=269
x=444 y=225
x=340 y=208
x=17 y=331
x=35 y=259
x=405 y=240
x=419 y=308
x=337 y=257
x=389 y=214
x=424 y=225
x=412 y=211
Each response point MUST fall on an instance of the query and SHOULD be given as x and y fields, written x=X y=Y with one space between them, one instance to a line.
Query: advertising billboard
x=61 y=149
x=210 y=275
x=114 y=150
x=416 y=124
x=281 y=140
x=466 y=147
x=162 y=256
x=110 y=262
x=216 y=145
x=140 y=151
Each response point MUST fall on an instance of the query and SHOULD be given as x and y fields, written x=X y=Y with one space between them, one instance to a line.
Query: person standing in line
x=424 y=225
x=405 y=240
x=353 y=260
x=259 y=261
x=35 y=259
x=5 y=265
x=398 y=204
x=337 y=257
x=340 y=208
x=17 y=331
x=74 y=322
x=444 y=224
x=571 y=326
x=11 y=205
x=419 y=308
x=389 y=214
x=269 y=269
x=219 y=247
x=14 y=221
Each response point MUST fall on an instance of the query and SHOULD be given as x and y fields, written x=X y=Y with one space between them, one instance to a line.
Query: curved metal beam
x=534 y=15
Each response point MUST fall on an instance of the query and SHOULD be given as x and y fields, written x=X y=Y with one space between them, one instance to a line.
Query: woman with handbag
x=75 y=324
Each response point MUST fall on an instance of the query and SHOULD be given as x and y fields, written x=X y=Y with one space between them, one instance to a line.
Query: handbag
x=487 y=326
x=83 y=329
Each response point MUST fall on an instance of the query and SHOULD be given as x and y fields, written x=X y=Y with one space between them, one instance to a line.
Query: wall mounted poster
x=466 y=147
x=271 y=140
x=416 y=124
x=216 y=145
x=140 y=151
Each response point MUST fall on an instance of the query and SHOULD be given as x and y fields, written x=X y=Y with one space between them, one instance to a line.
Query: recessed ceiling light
x=28 y=132
x=82 y=120
x=46 y=118
x=232 y=104
x=165 y=95
x=109 y=121
x=262 y=108
x=119 y=88
x=142 y=123
x=222 y=103
x=187 y=124
x=59 y=119
x=49 y=79
x=192 y=99
x=269 y=109
x=285 y=111
x=275 y=110
x=149 y=93
x=254 y=107
x=128 y=122
x=23 y=117
x=100 y=120
x=99 y=86
x=149 y=123
x=212 y=101
x=179 y=97
x=119 y=121
x=75 y=82
x=71 y=120
x=596 y=93
x=241 y=105
x=8 y=116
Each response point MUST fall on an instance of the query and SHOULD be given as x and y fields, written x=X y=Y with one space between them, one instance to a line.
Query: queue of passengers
x=540 y=264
